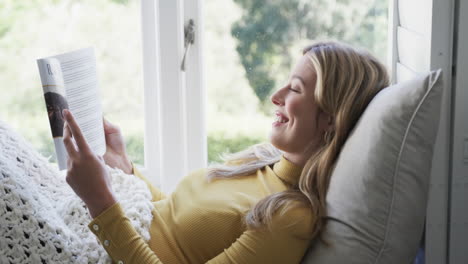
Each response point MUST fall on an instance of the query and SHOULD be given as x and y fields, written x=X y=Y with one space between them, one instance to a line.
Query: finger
x=104 y=121
x=76 y=132
x=67 y=141
x=109 y=128
x=69 y=163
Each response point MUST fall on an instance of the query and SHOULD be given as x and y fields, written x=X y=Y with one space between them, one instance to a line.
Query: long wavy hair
x=347 y=80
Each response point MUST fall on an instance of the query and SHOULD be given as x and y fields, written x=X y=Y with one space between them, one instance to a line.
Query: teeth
x=278 y=119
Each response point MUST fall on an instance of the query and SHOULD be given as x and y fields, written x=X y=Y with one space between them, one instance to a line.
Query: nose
x=277 y=99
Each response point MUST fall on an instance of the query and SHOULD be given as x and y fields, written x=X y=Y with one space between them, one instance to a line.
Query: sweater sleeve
x=286 y=242
x=120 y=239
x=156 y=194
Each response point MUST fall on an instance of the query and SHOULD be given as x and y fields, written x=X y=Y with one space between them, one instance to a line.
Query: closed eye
x=293 y=90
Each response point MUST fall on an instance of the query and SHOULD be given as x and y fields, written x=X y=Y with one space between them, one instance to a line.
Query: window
x=36 y=29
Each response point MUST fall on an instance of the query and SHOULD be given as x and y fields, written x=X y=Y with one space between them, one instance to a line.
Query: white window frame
x=437 y=37
x=175 y=131
x=458 y=196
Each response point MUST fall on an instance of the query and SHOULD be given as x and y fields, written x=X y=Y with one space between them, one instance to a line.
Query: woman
x=264 y=204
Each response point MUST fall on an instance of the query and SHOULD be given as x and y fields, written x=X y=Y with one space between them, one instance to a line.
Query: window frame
x=175 y=134
x=437 y=35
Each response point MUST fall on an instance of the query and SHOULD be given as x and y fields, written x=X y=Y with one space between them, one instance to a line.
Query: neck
x=301 y=159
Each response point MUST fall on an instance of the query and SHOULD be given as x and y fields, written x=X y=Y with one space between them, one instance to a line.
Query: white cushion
x=378 y=191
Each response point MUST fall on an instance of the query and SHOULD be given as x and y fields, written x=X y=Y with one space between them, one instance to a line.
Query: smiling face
x=299 y=124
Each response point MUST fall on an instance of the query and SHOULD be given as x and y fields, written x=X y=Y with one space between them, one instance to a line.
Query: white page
x=78 y=69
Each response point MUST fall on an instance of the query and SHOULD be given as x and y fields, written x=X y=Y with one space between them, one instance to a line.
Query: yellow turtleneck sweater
x=202 y=222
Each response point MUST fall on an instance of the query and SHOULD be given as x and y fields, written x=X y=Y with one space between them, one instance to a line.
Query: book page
x=83 y=95
x=78 y=70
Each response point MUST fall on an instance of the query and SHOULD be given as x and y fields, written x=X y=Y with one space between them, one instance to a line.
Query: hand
x=87 y=174
x=116 y=156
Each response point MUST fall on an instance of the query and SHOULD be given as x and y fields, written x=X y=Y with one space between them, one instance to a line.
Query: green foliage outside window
x=268 y=29
x=218 y=144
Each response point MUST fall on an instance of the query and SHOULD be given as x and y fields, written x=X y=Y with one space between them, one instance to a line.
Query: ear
x=326 y=122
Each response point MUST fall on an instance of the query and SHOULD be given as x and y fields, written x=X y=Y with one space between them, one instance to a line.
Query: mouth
x=281 y=119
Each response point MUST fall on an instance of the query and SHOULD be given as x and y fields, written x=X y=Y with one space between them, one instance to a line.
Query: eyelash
x=293 y=90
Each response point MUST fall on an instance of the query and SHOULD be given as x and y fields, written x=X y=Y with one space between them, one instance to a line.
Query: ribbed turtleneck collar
x=287 y=171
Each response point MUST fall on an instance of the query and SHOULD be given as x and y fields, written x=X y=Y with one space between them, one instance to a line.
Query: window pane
x=250 y=47
x=36 y=29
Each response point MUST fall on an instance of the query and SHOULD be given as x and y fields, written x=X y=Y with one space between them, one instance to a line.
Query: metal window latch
x=189 y=39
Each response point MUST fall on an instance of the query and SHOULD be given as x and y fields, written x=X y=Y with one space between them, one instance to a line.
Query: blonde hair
x=347 y=80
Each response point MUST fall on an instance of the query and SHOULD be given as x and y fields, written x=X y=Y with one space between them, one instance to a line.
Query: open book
x=69 y=81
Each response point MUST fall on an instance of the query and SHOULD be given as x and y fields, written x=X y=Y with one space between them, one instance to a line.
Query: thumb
x=108 y=126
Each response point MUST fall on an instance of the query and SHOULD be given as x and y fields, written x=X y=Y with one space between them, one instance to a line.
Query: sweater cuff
x=115 y=232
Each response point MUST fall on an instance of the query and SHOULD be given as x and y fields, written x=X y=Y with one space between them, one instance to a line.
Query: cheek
x=304 y=120
x=301 y=111
x=294 y=108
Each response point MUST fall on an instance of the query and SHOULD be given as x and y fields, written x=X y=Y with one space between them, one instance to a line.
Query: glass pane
x=250 y=47
x=36 y=29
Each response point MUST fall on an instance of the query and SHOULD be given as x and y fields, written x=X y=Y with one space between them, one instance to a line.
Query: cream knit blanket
x=41 y=218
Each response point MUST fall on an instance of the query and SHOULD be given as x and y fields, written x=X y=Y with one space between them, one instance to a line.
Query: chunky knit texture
x=41 y=218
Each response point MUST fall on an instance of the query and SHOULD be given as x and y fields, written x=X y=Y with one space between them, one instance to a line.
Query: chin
x=277 y=144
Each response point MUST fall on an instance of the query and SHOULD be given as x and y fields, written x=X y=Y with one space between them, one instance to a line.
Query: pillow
x=379 y=188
